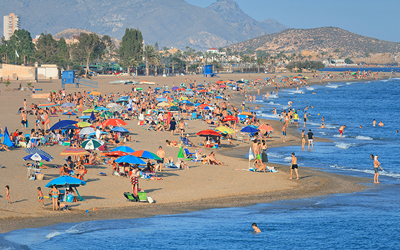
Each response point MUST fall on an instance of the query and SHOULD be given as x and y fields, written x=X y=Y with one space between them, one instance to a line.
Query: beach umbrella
x=174 y=108
x=208 y=132
x=84 y=117
x=239 y=81
x=130 y=159
x=7 y=141
x=47 y=105
x=69 y=113
x=62 y=124
x=229 y=118
x=101 y=108
x=161 y=99
x=73 y=152
x=162 y=104
x=265 y=128
x=92 y=118
x=90 y=111
x=225 y=130
x=249 y=129
x=116 y=154
x=65 y=181
x=120 y=129
x=208 y=108
x=166 y=92
x=39 y=151
x=139 y=88
x=174 y=88
x=112 y=105
x=123 y=149
x=219 y=97
x=71 y=126
x=266 y=78
x=94 y=93
x=91 y=144
x=145 y=154
x=86 y=131
x=83 y=124
x=113 y=122
x=68 y=105
x=353 y=73
x=246 y=113
x=299 y=75
x=36 y=157
x=181 y=155
x=106 y=114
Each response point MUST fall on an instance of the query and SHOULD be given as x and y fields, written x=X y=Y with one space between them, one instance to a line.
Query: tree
x=260 y=61
x=20 y=42
x=131 y=48
x=47 y=50
x=150 y=55
x=89 y=47
x=348 y=61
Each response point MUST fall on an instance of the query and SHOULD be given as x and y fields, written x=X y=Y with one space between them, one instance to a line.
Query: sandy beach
x=200 y=187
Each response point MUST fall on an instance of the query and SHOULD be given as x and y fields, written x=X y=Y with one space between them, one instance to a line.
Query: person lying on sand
x=212 y=160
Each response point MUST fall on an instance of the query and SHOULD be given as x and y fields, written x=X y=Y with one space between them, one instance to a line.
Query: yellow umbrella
x=83 y=124
x=90 y=111
x=163 y=104
x=225 y=130
x=95 y=93
x=246 y=113
x=183 y=98
x=171 y=104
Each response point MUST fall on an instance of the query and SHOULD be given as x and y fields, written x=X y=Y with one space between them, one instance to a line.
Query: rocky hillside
x=69 y=34
x=170 y=23
x=325 y=39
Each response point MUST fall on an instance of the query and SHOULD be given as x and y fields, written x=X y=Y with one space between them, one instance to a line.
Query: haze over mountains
x=170 y=23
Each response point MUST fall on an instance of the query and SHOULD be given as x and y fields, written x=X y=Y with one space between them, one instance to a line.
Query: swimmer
x=380 y=124
x=256 y=229
x=361 y=126
x=373 y=123
x=341 y=131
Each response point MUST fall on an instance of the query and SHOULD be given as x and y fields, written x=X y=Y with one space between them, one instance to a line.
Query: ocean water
x=364 y=220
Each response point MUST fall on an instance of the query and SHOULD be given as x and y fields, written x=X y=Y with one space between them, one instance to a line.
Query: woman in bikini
x=134 y=180
x=54 y=192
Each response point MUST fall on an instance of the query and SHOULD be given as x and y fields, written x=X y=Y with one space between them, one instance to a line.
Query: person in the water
x=256 y=229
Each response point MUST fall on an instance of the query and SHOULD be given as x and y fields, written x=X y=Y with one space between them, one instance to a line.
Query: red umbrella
x=208 y=132
x=202 y=106
x=266 y=128
x=113 y=122
x=202 y=91
x=229 y=118
x=219 y=82
x=116 y=153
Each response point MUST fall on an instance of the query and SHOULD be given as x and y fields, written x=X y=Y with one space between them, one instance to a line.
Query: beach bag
x=150 y=200
x=142 y=196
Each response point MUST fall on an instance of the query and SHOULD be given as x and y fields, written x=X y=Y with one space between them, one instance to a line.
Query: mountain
x=170 y=23
x=69 y=34
x=326 y=39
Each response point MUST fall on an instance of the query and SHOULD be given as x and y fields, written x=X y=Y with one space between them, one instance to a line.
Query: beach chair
x=194 y=116
x=188 y=154
x=131 y=197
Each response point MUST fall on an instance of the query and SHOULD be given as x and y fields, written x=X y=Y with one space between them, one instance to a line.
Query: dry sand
x=200 y=187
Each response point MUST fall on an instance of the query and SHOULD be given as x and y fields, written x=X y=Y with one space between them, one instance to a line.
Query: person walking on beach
x=40 y=195
x=303 y=138
x=283 y=132
x=294 y=167
x=8 y=194
x=305 y=119
x=341 y=131
x=310 y=136
x=377 y=165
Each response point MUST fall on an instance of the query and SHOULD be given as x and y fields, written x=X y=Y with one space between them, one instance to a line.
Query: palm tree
x=260 y=61
x=149 y=55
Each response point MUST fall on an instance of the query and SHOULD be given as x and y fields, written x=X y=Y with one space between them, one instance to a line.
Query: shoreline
x=315 y=183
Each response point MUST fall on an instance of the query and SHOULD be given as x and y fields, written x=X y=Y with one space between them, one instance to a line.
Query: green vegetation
x=131 y=49
x=305 y=65
x=348 y=61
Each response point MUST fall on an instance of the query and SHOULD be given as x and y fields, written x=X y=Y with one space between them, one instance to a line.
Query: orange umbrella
x=73 y=152
x=113 y=122
x=266 y=128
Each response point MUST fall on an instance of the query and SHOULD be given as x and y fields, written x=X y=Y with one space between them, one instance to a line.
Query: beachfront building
x=216 y=51
x=10 y=24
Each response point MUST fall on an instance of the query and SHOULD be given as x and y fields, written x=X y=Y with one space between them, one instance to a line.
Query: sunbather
x=211 y=159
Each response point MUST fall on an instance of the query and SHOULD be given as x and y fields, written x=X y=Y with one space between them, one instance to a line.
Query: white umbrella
x=36 y=157
x=86 y=131
x=112 y=105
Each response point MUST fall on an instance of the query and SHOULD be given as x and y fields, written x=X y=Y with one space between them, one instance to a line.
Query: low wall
x=11 y=72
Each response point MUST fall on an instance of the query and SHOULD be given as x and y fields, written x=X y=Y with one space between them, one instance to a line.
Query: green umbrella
x=181 y=155
x=106 y=113
x=91 y=144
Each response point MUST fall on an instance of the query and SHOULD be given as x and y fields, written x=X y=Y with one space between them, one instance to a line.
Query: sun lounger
x=188 y=154
x=131 y=197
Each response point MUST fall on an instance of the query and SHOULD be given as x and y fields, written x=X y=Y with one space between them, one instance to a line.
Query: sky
x=374 y=18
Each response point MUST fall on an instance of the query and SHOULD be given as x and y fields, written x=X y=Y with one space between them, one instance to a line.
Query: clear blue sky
x=374 y=18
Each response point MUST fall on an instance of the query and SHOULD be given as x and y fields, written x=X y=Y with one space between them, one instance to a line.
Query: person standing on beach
x=294 y=166
x=283 y=132
x=8 y=194
x=305 y=119
x=310 y=136
x=303 y=138
x=54 y=192
x=341 y=131
x=40 y=195
x=172 y=126
x=161 y=154
x=134 y=181
x=377 y=165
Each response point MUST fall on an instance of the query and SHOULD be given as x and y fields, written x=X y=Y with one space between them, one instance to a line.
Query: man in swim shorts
x=160 y=153
x=310 y=136
x=341 y=131
x=294 y=166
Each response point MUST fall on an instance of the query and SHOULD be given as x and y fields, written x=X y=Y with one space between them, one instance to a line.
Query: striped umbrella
x=47 y=105
x=92 y=144
x=145 y=154
x=73 y=152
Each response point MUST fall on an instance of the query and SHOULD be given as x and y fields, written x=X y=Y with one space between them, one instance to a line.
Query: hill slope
x=171 y=23
x=318 y=39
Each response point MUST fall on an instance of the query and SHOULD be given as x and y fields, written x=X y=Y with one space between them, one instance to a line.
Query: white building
x=216 y=51
x=10 y=24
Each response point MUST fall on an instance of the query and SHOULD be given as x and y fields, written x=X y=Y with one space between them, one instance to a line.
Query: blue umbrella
x=266 y=78
x=219 y=97
x=231 y=85
x=36 y=157
x=123 y=149
x=92 y=117
x=65 y=181
x=1 y=135
x=39 y=151
x=7 y=141
x=84 y=117
x=101 y=108
x=120 y=129
x=157 y=88
x=67 y=105
x=62 y=124
x=162 y=99
x=69 y=113
x=131 y=159
x=249 y=129
x=71 y=126
x=166 y=91
x=200 y=85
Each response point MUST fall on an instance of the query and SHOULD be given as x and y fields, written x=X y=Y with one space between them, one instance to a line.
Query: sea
x=369 y=219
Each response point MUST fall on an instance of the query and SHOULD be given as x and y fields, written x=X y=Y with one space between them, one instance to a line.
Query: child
x=8 y=194
x=256 y=229
x=40 y=195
